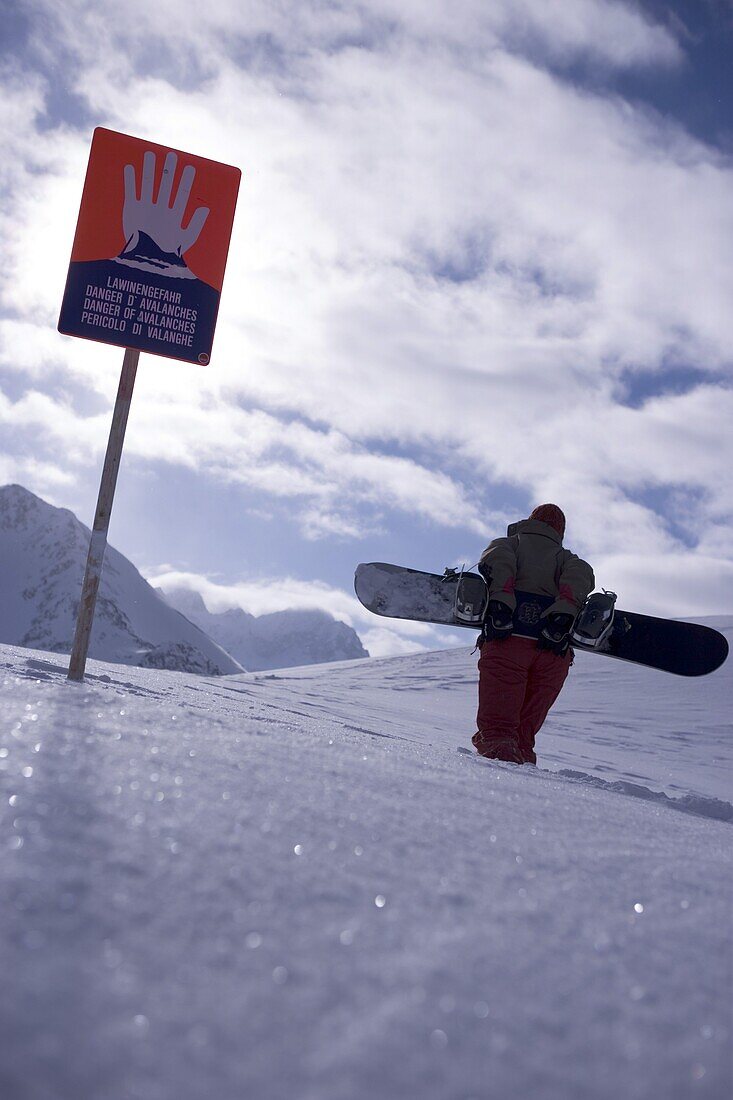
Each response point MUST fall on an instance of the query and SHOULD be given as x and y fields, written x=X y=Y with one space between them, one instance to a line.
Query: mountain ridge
x=279 y=639
x=43 y=550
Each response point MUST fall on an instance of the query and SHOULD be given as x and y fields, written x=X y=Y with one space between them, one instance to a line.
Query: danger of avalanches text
x=124 y=302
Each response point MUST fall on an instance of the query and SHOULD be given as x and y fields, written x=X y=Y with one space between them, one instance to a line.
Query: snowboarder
x=525 y=651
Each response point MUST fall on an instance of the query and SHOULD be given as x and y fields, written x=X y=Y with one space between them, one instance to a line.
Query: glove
x=555 y=634
x=498 y=624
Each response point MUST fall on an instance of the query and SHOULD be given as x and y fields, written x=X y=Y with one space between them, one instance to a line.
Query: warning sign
x=151 y=244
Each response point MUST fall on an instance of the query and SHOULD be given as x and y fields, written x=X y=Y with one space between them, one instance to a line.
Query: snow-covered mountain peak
x=43 y=552
x=186 y=600
x=21 y=509
x=281 y=639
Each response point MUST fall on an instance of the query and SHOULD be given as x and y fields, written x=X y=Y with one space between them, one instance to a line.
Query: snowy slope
x=43 y=552
x=615 y=721
x=294 y=885
x=282 y=639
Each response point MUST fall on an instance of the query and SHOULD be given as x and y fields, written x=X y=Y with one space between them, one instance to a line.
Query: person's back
x=531 y=558
x=539 y=556
x=520 y=677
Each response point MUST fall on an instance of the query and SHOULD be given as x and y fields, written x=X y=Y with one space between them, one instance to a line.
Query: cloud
x=182 y=41
x=265 y=595
x=449 y=259
x=387 y=642
x=330 y=473
x=678 y=585
x=28 y=471
x=613 y=33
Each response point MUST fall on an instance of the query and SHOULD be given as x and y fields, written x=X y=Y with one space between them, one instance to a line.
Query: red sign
x=148 y=259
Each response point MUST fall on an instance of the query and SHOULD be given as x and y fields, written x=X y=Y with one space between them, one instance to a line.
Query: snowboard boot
x=526 y=748
x=498 y=748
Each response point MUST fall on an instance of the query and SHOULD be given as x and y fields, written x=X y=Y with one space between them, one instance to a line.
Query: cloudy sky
x=481 y=260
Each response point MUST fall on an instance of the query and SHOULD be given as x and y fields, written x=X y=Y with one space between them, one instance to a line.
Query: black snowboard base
x=394 y=591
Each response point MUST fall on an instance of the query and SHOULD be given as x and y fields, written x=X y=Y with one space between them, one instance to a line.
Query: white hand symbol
x=156 y=218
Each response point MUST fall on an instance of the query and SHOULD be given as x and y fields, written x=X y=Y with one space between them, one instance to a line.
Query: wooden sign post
x=98 y=541
x=146 y=271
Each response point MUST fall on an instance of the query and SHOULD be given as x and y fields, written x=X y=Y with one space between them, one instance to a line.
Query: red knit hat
x=551 y=515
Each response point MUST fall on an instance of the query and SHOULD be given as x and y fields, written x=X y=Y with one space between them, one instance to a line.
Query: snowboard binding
x=471 y=598
x=595 y=621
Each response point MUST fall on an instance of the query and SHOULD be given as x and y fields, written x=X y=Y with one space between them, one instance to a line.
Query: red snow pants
x=518 y=683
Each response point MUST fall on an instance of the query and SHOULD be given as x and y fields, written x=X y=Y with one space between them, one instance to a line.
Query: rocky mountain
x=43 y=552
x=282 y=639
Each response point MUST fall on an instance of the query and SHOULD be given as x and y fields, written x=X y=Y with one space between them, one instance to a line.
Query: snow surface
x=295 y=884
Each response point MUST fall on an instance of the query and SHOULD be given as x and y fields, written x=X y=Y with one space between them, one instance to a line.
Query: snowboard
x=685 y=649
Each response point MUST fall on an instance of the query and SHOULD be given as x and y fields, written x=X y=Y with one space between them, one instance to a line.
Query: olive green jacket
x=532 y=558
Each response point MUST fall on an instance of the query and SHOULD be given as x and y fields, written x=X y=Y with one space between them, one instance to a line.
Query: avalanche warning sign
x=148 y=259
